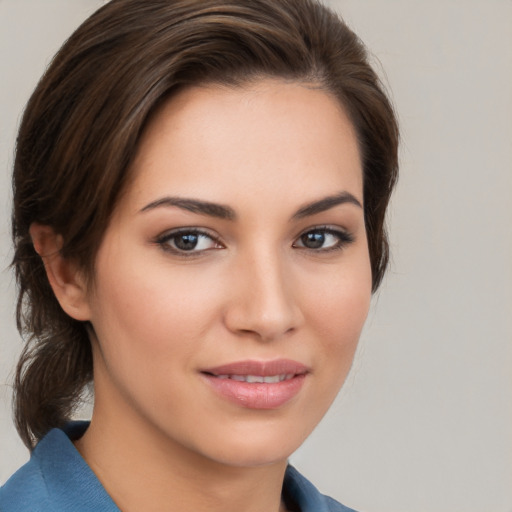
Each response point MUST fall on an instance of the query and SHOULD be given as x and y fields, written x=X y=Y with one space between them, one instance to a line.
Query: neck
x=142 y=469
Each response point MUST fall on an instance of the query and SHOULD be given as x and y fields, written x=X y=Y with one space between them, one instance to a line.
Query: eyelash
x=344 y=238
x=164 y=239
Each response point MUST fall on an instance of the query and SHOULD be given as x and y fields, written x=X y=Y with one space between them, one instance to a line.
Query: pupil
x=313 y=240
x=186 y=242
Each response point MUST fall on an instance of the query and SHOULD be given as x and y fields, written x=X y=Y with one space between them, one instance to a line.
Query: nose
x=263 y=303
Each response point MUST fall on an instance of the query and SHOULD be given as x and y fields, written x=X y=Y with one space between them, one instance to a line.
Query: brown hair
x=81 y=127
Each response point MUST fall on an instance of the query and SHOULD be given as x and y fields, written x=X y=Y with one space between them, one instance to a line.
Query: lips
x=271 y=379
x=257 y=384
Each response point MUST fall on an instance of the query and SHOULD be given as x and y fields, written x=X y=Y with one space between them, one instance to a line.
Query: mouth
x=257 y=384
x=251 y=379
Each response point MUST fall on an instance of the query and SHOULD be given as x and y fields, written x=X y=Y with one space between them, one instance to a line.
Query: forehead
x=269 y=136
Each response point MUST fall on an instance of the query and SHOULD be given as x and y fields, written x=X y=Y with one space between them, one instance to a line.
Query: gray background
x=424 y=421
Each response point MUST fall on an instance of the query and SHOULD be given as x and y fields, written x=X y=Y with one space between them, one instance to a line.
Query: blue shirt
x=57 y=479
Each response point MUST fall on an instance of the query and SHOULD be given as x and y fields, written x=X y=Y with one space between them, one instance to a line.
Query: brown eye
x=187 y=241
x=323 y=239
x=313 y=240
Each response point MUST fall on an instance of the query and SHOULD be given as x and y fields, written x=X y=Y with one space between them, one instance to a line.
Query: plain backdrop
x=424 y=422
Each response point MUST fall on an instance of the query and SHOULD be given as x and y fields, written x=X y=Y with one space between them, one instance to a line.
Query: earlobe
x=66 y=280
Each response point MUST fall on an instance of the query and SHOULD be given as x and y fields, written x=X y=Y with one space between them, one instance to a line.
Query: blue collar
x=70 y=482
x=58 y=479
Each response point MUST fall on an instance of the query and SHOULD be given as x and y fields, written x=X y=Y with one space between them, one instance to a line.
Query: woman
x=199 y=199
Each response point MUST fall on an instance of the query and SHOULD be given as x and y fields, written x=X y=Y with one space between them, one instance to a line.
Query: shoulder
x=305 y=497
x=336 y=506
x=56 y=479
x=25 y=490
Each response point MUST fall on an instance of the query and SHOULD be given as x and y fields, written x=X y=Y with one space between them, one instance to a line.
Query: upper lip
x=262 y=368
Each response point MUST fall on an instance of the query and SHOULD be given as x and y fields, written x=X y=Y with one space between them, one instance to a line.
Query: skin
x=252 y=291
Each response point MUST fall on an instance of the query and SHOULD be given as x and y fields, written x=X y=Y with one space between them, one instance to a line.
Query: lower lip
x=257 y=395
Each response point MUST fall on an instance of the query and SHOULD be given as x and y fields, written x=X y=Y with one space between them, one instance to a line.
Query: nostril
x=263 y=304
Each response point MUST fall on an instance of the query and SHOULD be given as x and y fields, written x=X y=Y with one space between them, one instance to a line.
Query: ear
x=66 y=280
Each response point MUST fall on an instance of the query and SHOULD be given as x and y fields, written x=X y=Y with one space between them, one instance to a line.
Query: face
x=233 y=281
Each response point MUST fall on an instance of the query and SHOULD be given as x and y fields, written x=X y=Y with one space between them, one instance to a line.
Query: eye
x=323 y=239
x=188 y=240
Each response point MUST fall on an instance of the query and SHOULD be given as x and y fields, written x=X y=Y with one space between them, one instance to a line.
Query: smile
x=258 y=378
x=256 y=384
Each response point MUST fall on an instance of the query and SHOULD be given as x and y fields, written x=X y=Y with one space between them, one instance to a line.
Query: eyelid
x=163 y=239
x=345 y=238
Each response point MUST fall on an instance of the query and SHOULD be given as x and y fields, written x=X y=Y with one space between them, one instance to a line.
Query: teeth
x=271 y=379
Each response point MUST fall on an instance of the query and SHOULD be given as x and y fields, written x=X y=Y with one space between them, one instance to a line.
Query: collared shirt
x=57 y=479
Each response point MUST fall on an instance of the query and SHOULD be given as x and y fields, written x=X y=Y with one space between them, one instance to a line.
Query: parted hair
x=82 y=125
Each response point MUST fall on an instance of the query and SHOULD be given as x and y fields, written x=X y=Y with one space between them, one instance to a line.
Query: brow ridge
x=326 y=203
x=227 y=213
x=193 y=205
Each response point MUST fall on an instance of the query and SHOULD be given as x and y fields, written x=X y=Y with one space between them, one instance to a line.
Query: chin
x=250 y=455
x=254 y=445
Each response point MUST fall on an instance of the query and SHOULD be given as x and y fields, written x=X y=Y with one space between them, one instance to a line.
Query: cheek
x=152 y=315
x=145 y=311
x=343 y=308
x=337 y=312
x=150 y=323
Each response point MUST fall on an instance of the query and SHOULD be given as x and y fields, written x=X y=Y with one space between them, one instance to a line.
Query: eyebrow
x=325 y=204
x=227 y=213
x=195 y=206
